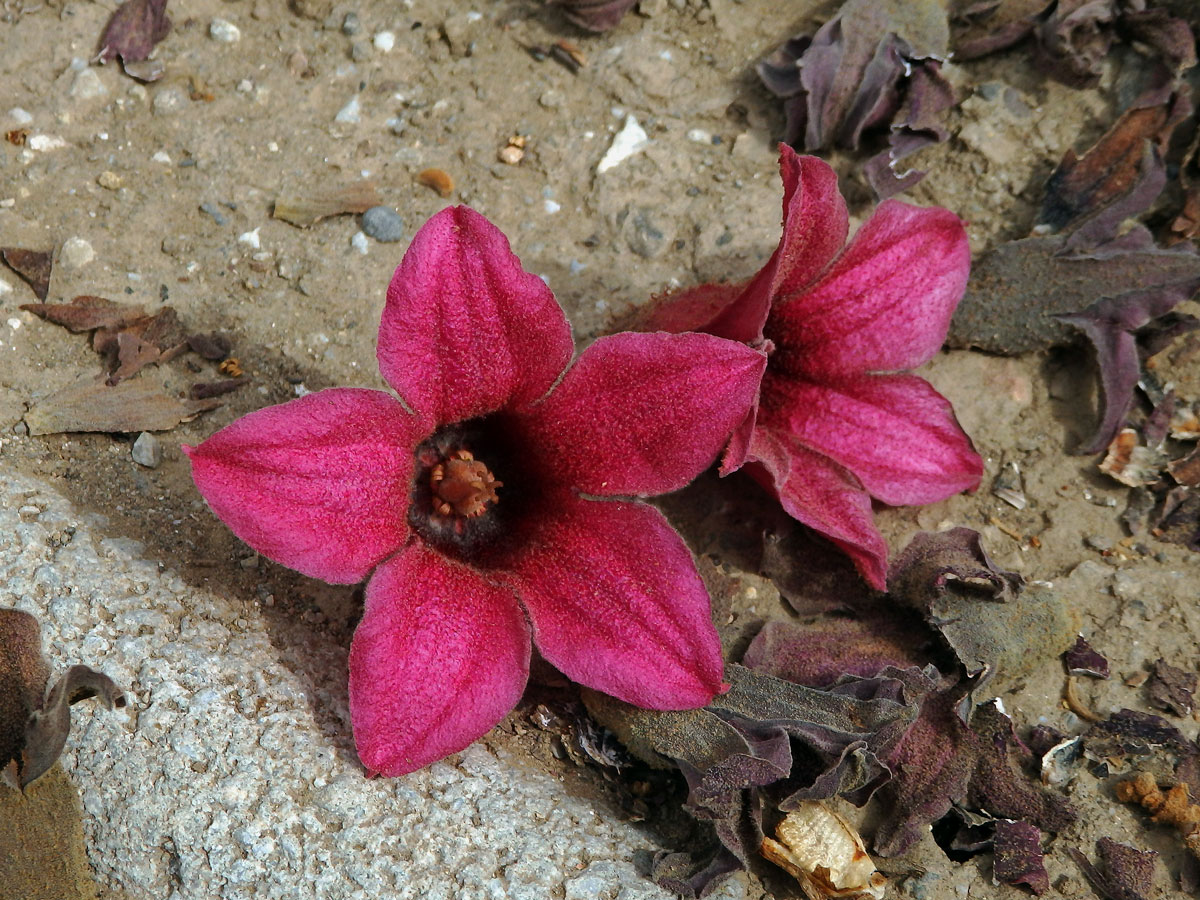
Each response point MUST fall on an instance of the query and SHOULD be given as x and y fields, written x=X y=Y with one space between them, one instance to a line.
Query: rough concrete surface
x=217 y=781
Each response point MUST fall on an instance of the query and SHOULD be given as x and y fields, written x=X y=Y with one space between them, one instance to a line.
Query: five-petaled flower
x=493 y=504
x=838 y=420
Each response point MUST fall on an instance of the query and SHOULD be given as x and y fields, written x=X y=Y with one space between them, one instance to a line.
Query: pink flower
x=489 y=505
x=835 y=425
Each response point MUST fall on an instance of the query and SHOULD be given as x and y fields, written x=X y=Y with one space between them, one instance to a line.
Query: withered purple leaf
x=1179 y=518
x=918 y=124
x=1124 y=873
x=1171 y=688
x=133 y=30
x=1083 y=660
x=1032 y=293
x=1146 y=742
x=34 y=721
x=1018 y=856
x=594 y=15
x=34 y=266
x=850 y=76
x=812 y=575
x=985 y=26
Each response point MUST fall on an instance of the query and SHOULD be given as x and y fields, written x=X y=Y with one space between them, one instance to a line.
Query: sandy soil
x=236 y=126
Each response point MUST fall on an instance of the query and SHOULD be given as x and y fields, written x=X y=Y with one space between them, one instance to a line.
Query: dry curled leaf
x=87 y=313
x=34 y=266
x=130 y=406
x=34 y=720
x=307 y=208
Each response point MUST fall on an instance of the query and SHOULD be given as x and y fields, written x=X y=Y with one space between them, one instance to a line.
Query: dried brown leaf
x=34 y=266
x=92 y=405
x=87 y=312
x=308 y=208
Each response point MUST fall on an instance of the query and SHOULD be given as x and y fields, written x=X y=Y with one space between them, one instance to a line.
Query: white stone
x=44 y=143
x=147 y=451
x=629 y=140
x=250 y=238
x=349 y=113
x=19 y=116
x=87 y=85
x=359 y=242
x=75 y=254
x=384 y=41
x=161 y=157
x=5 y=289
x=224 y=31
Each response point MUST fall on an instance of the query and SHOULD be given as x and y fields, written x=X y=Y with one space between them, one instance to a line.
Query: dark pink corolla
x=490 y=505
x=838 y=420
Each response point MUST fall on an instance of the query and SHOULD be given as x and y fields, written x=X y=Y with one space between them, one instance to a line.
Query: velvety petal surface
x=466 y=330
x=616 y=602
x=319 y=484
x=690 y=309
x=894 y=432
x=884 y=304
x=815 y=490
x=815 y=223
x=645 y=413
x=440 y=656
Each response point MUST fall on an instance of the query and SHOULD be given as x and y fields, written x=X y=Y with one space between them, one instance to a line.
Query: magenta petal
x=815 y=223
x=645 y=413
x=466 y=330
x=320 y=484
x=440 y=656
x=815 y=490
x=885 y=303
x=616 y=603
x=691 y=309
x=895 y=432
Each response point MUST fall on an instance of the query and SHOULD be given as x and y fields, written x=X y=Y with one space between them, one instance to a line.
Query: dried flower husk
x=825 y=854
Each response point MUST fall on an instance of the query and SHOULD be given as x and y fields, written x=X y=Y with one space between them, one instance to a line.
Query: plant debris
x=91 y=404
x=132 y=33
x=34 y=716
x=873 y=66
x=1083 y=660
x=594 y=15
x=34 y=267
x=1174 y=808
x=825 y=853
x=1124 y=873
x=1171 y=688
x=1018 y=856
x=438 y=180
x=307 y=208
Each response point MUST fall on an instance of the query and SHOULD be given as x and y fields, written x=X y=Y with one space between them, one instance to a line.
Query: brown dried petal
x=1083 y=660
x=87 y=405
x=46 y=732
x=1125 y=873
x=1171 y=688
x=133 y=30
x=87 y=312
x=133 y=355
x=213 y=346
x=34 y=266
x=304 y=209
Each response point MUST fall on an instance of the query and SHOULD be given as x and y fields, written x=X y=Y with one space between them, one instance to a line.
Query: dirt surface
x=235 y=126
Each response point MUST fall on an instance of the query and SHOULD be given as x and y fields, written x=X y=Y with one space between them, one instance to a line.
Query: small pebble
x=360 y=51
x=161 y=156
x=351 y=25
x=1099 y=542
x=350 y=113
x=147 y=451
x=46 y=142
x=215 y=211
x=250 y=239
x=110 y=180
x=224 y=31
x=510 y=155
x=6 y=288
x=359 y=242
x=552 y=98
x=551 y=206
x=384 y=41
x=383 y=223
x=167 y=101
x=20 y=117
x=87 y=85
x=28 y=513
x=76 y=253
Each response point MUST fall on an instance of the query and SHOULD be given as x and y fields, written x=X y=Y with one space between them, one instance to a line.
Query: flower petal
x=467 y=331
x=644 y=413
x=884 y=304
x=319 y=484
x=814 y=228
x=895 y=432
x=441 y=655
x=815 y=490
x=616 y=603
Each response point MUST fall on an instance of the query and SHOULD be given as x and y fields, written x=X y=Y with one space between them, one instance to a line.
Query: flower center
x=462 y=486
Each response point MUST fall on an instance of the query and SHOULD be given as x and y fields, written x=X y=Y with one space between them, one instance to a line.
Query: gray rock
x=645 y=234
x=234 y=762
x=147 y=451
x=215 y=211
x=383 y=223
x=351 y=24
x=76 y=253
